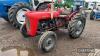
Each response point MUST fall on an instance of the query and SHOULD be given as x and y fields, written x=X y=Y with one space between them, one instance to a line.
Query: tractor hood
x=34 y=17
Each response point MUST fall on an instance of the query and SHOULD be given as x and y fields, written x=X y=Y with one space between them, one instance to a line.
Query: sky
x=92 y=0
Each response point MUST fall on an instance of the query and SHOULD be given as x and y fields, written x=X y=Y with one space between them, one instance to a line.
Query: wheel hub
x=20 y=16
x=49 y=43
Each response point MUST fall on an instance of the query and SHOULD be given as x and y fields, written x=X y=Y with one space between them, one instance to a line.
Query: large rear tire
x=16 y=14
x=76 y=27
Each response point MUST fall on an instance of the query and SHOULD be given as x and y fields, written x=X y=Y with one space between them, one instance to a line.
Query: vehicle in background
x=79 y=2
x=91 y=5
x=95 y=13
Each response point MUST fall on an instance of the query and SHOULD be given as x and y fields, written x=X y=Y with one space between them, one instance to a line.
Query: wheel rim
x=49 y=43
x=79 y=27
x=20 y=16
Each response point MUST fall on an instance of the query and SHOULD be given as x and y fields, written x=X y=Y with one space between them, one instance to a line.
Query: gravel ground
x=11 y=38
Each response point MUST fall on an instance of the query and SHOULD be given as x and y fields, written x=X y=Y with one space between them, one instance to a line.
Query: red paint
x=35 y=17
x=69 y=17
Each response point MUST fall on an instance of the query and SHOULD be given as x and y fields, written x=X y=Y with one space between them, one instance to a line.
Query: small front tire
x=47 y=41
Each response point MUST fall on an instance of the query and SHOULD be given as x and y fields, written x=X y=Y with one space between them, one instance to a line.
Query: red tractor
x=45 y=23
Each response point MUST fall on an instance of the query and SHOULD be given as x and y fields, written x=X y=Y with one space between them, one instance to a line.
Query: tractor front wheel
x=47 y=41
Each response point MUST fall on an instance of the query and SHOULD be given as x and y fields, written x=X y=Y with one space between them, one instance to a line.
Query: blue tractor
x=13 y=10
x=95 y=13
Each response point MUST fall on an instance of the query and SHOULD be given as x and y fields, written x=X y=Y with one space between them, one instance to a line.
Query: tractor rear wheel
x=16 y=14
x=76 y=27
